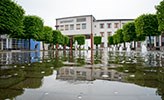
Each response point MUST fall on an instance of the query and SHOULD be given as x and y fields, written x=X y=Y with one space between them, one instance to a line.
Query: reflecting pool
x=81 y=75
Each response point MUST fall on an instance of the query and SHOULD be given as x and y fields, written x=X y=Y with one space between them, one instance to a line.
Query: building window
x=81 y=19
x=115 y=25
x=66 y=27
x=72 y=27
x=102 y=34
x=101 y=25
x=109 y=33
x=109 y=25
x=61 y=27
x=84 y=26
x=66 y=21
x=78 y=26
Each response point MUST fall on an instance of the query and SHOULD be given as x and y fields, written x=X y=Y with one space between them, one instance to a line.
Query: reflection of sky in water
x=53 y=89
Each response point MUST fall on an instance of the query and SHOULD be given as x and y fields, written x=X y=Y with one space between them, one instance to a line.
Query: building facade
x=87 y=25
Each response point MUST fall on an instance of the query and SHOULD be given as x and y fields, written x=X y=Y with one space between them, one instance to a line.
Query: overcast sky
x=49 y=10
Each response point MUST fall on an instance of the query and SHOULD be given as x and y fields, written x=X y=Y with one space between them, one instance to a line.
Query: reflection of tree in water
x=149 y=77
x=13 y=80
x=97 y=57
x=10 y=93
x=29 y=83
x=9 y=77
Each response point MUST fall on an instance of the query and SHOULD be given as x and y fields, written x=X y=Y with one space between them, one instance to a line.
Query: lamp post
x=91 y=37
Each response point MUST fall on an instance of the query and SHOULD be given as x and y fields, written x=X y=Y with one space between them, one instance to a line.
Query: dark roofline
x=75 y=17
x=114 y=20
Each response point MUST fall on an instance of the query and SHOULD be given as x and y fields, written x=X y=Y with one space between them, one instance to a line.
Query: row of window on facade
x=72 y=27
x=72 y=20
x=108 y=34
x=109 y=25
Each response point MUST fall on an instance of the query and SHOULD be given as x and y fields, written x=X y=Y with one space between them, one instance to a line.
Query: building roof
x=76 y=17
x=101 y=20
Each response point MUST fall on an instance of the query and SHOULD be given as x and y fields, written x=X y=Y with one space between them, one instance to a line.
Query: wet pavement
x=66 y=75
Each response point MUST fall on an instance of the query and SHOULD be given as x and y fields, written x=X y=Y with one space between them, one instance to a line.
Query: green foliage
x=110 y=40
x=57 y=37
x=115 y=39
x=160 y=16
x=147 y=25
x=46 y=35
x=66 y=40
x=11 y=18
x=119 y=36
x=129 y=33
x=33 y=26
x=80 y=39
x=97 y=40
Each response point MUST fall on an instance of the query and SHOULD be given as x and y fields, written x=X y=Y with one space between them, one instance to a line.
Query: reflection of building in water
x=82 y=73
x=18 y=58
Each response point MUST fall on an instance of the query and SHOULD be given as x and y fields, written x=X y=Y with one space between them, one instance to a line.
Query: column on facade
x=105 y=40
x=7 y=43
x=160 y=40
x=10 y=43
x=155 y=41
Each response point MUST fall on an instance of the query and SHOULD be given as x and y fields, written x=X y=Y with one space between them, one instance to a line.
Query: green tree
x=115 y=42
x=46 y=35
x=33 y=27
x=57 y=38
x=129 y=33
x=147 y=25
x=80 y=39
x=11 y=18
x=97 y=40
x=160 y=16
x=119 y=35
x=66 y=41
x=110 y=40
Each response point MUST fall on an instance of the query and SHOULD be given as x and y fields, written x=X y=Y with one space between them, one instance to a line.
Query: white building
x=87 y=25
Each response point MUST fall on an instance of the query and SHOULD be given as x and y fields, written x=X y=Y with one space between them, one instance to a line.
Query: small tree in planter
x=80 y=40
x=97 y=41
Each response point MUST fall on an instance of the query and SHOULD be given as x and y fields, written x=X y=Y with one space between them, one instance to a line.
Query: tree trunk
x=96 y=47
x=124 y=45
x=134 y=45
x=57 y=46
x=150 y=46
x=64 y=47
x=43 y=46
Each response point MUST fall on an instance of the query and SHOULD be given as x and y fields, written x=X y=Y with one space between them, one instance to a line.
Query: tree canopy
x=110 y=40
x=119 y=36
x=129 y=33
x=11 y=18
x=57 y=37
x=80 y=39
x=46 y=35
x=33 y=27
x=97 y=40
x=147 y=25
x=66 y=40
x=160 y=15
